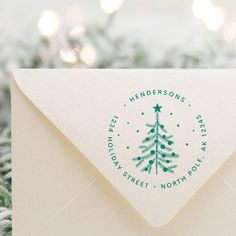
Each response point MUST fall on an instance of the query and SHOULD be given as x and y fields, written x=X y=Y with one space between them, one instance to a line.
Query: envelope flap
x=156 y=135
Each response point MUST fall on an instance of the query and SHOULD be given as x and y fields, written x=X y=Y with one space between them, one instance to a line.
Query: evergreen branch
x=141 y=159
x=148 y=168
x=5 y=223
x=5 y=214
x=5 y=141
x=166 y=139
x=172 y=167
x=168 y=155
x=162 y=166
x=6 y=220
x=164 y=160
x=148 y=139
x=141 y=147
x=139 y=163
x=5 y=195
x=149 y=147
x=164 y=147
x=166 y=169
x=162 y=128
x=6 y=157
x=150 y=126
x=5 y=183
x=162 y=137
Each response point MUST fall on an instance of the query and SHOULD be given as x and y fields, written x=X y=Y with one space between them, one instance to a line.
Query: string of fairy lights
x=49 y=25
x=215 y=18
x=58 y=30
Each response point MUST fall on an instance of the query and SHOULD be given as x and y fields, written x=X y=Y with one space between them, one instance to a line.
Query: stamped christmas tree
x=156 y=148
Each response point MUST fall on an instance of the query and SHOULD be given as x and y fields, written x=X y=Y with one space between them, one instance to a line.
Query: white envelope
x=124 y=152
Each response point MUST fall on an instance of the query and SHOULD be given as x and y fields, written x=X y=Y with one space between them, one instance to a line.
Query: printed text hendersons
x=162 y=92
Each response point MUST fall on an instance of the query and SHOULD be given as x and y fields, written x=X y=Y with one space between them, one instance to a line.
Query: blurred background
x=106 y=34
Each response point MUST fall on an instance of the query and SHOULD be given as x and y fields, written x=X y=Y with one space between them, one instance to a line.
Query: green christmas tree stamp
x=156 y=151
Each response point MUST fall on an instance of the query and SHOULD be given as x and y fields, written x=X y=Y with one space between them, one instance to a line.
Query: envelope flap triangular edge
x=81 y=104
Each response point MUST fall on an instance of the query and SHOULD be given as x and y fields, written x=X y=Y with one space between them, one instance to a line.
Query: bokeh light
x=229 y=32
x=88 y=54
x=212 y=15
x=201 y=8
x=48 y=23
x=77 y=31
x=110 y=6
x=214 y=20
x=68 y=56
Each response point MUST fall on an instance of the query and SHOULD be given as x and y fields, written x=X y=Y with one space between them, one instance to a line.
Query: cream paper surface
x=67 y=193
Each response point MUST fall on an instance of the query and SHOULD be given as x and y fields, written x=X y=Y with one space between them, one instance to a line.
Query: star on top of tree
x=157 y=108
